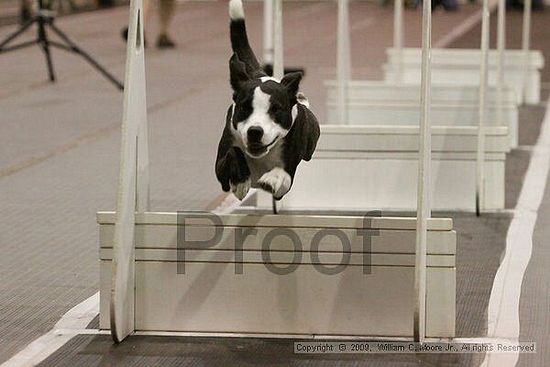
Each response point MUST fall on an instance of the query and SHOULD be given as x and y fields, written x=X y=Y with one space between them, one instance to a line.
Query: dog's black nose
x=255 y=134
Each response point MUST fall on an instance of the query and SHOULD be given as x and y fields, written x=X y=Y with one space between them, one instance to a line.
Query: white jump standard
x=141 y=288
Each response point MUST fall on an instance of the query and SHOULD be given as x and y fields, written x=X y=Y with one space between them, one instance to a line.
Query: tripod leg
x=14 y=35
x=74 y=48
x=45 y=45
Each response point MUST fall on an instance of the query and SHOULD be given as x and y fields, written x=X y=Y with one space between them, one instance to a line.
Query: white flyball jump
x=381 y=103
x=358 y=167
x=172 y=272
x=320 y=276
x=520 y=69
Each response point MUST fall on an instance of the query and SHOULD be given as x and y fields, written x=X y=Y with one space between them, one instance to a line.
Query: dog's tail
x=239 y=39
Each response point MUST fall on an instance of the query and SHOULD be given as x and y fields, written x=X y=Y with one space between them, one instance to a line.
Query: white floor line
x=73 y=323
x=503 y=310
x=464 y=27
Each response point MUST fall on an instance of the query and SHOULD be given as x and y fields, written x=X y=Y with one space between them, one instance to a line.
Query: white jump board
x=384 y=92
x=375 y=167
x=461 y=67
x=209 y=297
x=380 y=103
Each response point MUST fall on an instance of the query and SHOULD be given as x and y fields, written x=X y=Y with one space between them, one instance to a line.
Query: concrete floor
x=59 y=148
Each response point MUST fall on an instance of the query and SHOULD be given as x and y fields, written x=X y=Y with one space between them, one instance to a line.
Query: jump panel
x=226 y=291
x=374 y=167
x=461 y=67
x=376 y=103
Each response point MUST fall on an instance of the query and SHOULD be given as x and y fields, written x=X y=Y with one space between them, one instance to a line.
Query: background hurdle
x=522 y=65
x=348 y=151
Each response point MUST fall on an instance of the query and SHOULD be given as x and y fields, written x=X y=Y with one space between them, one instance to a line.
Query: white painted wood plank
x=423 y=210
x=133 y=192
x=440 y=301
x=358 y=187
x=405 y=113
x=391 y=92
x=460 y=66
x=297 y=303
x=405 y=138
x=162 y=236
x=285 y=258
x=462 y=56
x=284 y=221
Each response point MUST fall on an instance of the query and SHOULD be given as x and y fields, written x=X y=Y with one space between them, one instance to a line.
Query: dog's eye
x=243 y=109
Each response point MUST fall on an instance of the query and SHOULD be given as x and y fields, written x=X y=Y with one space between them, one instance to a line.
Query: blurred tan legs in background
x=166 y=14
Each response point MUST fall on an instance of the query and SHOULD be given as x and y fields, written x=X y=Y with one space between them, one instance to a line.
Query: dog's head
x=262 y=108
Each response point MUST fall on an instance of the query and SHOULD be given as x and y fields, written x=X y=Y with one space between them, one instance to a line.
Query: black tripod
x=45 y=20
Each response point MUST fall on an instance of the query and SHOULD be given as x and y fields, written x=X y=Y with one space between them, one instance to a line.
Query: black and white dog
x=269 y=127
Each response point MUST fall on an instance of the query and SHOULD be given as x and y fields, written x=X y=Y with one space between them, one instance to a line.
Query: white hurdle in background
x=360 y=150
x=522 y=65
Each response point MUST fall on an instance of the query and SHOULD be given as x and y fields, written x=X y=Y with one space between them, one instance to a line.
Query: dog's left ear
x=237 y=72
x=292 y=82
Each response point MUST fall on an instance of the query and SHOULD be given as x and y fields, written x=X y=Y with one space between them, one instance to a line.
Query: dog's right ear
x=237 y=73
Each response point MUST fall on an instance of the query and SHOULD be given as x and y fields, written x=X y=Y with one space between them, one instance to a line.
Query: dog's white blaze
x=268 y=78
x=260 y=117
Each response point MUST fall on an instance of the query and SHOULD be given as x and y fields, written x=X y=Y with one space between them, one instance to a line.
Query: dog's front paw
x=276 y=181
x=240 y=189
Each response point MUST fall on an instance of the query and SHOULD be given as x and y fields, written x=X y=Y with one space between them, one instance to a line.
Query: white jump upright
x=484 y=76
x=278 y=50
x=501 y=47
x=398 y=36
x=343 y=60
x=268 y=32
x=133 y=186
x=526 y=45
x=424 y=177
